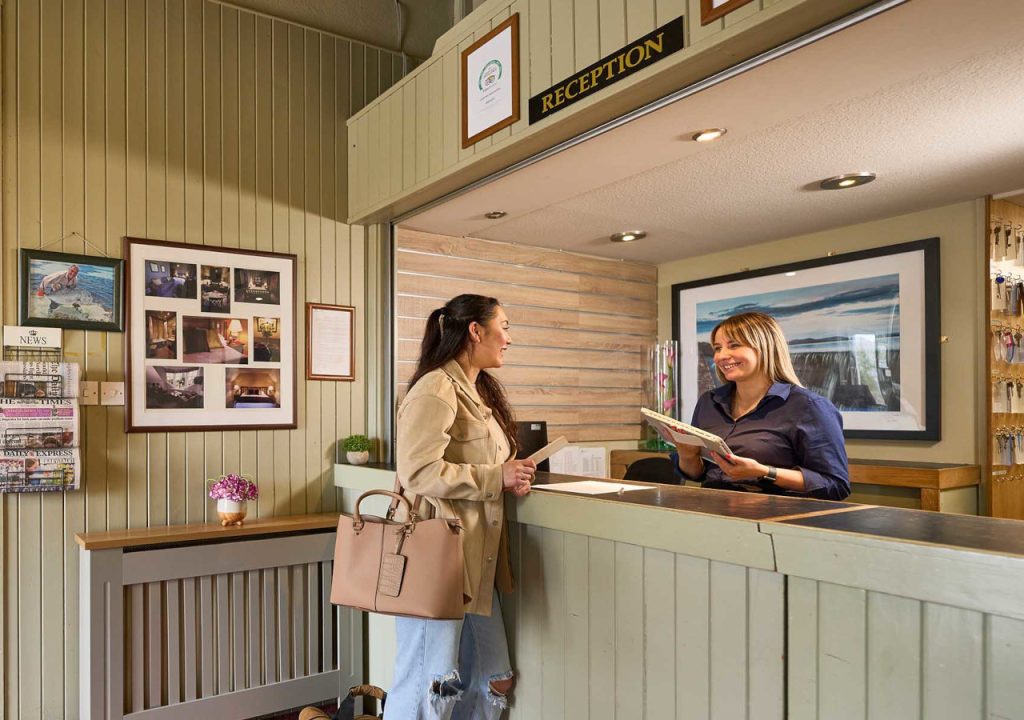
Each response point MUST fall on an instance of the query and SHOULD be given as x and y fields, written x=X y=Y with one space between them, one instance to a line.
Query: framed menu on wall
x=210 y=338
x=711 y=10
x=490 y=82
x=330 y=342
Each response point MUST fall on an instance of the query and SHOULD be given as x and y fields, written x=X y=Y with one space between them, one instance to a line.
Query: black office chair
x=653 y=469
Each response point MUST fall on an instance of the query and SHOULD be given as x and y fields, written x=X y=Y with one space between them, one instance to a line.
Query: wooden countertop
x=204 y=532
x=961 y=532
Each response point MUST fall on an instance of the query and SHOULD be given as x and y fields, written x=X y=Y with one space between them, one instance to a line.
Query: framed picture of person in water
x=210 y=338
x=77 y=292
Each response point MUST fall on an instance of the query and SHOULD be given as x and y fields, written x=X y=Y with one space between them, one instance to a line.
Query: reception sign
x=490 y=82
x=634 y=57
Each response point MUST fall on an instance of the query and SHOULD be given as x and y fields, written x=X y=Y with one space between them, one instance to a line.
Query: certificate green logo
x=490 y=74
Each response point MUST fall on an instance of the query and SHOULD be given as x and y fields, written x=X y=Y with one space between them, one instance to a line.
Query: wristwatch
x=772 y=473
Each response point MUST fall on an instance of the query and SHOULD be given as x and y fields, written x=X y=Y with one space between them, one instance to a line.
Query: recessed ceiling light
x=628 y=236
x=495 y=214
x=709 y=134
x=849 y=180
x=791 y=274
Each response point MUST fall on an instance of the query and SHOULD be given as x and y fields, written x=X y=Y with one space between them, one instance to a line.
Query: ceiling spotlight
x=628 y=236
x=849 y=180
x=709 y=134
x=495 y=214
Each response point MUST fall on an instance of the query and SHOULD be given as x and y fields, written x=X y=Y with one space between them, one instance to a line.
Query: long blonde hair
x=762 y=333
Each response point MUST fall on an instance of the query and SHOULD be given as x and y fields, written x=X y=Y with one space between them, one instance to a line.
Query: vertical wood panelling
x=191 y=121
x=952 y=651
x=1004 y=645
x=607 y=630
x=894 y=657
x=842 y=661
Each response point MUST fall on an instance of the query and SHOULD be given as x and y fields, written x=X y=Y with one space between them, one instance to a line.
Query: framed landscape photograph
x=79 y=292
x=211 y=343
x=863 y=331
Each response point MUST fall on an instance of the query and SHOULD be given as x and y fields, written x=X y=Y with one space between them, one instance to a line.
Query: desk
x=945 y=487
x=750 y=606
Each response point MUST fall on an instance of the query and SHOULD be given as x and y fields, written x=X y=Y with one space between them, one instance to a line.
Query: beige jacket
x=450 y=451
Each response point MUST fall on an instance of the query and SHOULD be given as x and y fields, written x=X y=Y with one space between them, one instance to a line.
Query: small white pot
x=231 y=512
x=358 y=458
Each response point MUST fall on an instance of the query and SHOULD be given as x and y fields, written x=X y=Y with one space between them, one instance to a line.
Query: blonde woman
x=785 y=439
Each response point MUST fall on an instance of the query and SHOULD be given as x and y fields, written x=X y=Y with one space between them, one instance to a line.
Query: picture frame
x=330 y=342
x=862 y=333
x=490 y=82
x=70 y=291
x=711 y=10
x=210 y=343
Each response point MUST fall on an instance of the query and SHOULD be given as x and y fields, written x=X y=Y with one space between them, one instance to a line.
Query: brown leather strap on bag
x=415 y=505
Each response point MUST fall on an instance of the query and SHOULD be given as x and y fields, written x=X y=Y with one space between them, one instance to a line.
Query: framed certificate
x=490 y=82
x=711 y=10
x=330 y=342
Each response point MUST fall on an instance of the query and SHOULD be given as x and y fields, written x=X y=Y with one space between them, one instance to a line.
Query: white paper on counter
x=588 y=462
x=591 y=487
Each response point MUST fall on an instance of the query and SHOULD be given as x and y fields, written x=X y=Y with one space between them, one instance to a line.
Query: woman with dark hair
x=785 y=439
x=456 y=450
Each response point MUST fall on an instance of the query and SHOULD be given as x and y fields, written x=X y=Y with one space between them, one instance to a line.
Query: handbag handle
x=357 y=519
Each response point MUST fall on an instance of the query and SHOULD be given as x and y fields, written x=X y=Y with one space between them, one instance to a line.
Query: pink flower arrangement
x=233 y=487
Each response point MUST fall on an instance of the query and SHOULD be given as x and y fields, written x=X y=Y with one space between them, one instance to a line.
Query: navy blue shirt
x=791 y=427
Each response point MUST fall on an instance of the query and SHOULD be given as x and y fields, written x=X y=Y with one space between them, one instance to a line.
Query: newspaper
x=38 y=424
x=39 y=470
x=38 y=379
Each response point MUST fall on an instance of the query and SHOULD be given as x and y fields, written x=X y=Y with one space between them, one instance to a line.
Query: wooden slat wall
x=579 y=325
x=602 y=629
x=416 y=125
x=856 y=653
x=196 y=122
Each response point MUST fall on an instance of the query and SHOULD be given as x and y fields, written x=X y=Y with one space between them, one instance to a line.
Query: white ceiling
x=371 y=21
x=929 y=95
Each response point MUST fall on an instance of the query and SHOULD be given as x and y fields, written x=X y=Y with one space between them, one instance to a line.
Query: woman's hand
x=740 y=469
x=689 y=460
x=516 y=476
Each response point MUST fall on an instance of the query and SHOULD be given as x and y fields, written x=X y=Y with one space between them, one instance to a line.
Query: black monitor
x=532 y=436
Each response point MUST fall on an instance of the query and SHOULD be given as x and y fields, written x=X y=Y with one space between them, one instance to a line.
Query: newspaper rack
x=39 y=414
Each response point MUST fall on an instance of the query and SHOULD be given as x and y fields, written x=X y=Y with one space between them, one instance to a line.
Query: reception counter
x=676 y=602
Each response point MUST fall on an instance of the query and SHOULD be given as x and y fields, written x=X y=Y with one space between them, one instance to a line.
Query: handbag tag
x=392 y=569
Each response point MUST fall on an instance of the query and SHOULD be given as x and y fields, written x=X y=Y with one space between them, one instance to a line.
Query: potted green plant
x=357 y=449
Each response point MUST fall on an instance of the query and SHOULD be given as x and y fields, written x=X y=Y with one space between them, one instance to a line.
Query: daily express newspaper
x=39 y=470
x=38 y=424
x=38 y=380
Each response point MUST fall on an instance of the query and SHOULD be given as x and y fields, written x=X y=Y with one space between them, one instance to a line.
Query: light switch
x=89 y=392
x=111 y=393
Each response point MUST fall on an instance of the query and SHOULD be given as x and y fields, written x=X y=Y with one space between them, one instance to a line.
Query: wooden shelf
x=204 y=532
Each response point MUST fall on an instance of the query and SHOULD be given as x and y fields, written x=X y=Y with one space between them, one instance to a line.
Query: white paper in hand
x=548 y=450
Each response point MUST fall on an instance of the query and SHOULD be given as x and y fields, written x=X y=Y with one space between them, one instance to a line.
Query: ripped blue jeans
x=444 y=669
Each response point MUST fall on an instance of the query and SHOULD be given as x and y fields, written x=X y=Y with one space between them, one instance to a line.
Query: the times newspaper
x=38 y=424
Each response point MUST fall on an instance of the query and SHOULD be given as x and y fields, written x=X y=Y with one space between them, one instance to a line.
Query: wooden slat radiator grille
x=579 y=326
x=191 y=632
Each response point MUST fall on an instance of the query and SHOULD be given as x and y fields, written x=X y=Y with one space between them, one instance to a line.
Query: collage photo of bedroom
x=210 y=316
